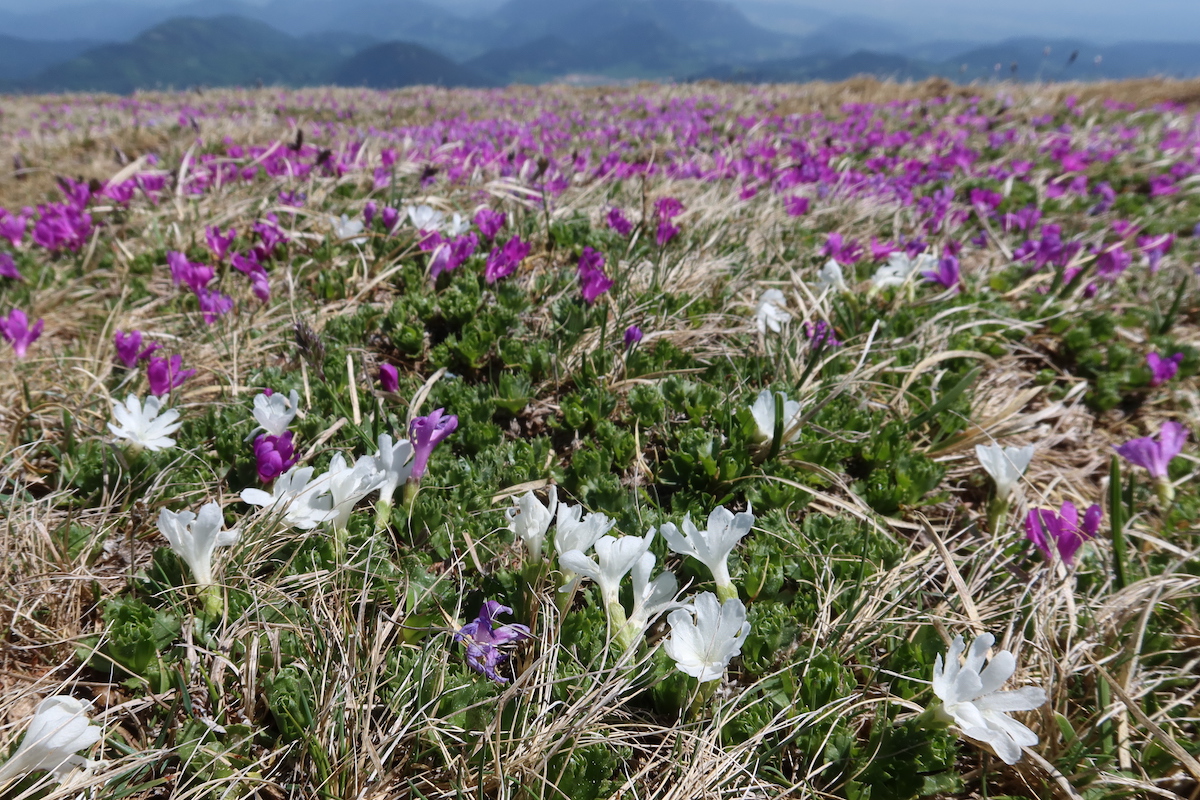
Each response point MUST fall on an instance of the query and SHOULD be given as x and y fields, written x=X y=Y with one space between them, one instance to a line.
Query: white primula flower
x=141 y=424
x=274 y=413
x=573 y=531
x=529 y=520
x=425 y=218
x=706 y=635
x=305 y=503
x=711 y=547
x=771 y=313
x=457 y=226
x=347 y=485
x=763 y=411
x=196 y=536
x=971 y=698
x=346 y=228
x=830 y=277
x=615 y=557
x=1006 y=465
x=900 y=268
x=650 y=597
x=394 y=462
x=59 y=729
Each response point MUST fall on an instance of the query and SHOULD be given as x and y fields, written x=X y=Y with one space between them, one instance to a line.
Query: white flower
x=394 y=462
x=347 y=485
x=770 y=312
x=529 y=520
x=971 y=698
x=346 y=228
x=573 y=533
x=830 y=277
x=425 y=218
x=650 y=597
x=141 y=424
x=457 y=226
x=59 y=729
x=195 y=537
x=274 y=413
x=900 y=267
x=1006 y=465
x=711 y=547
x=614 y=558
x=763 y=411
x=304 y=504
x=706 y=635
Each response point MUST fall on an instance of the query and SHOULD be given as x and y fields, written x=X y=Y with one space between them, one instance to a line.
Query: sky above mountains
x=1104 y=21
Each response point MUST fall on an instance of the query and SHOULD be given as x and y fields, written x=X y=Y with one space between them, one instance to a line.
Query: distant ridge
x=392 y=65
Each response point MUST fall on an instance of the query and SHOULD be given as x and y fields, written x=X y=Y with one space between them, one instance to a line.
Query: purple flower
x=842 y=251
x=665 y=233
x=1162 y=185
x=503 y=261
x=213 y=304
x=369 y=212
x=1162 y=369
x=196 y=276
x=947 y=274
x=8 y=267
x=12 y=227
x=633 y=335
x=166 y=374
x=667 y=208
x=484 y=639
x=16 y=329
x=795 y=206
x=1062 y=531
x=270 y=233
x=389 y=378
x=219 y=244
x=1112 y=262
x=1154 y=456
x=1155 y=247
x=592 y=280
x=274 y=455
x=426 y=433
x=617 y=220
x=820 y=334
x=986 y=201
x=292 y=199
x=129 y=348
x=489 y=222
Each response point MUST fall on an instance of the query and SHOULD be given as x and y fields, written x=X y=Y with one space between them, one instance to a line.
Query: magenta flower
x=8 y=267
x=633 y=335
x=196 y=276
x=274 y=455
x=166 y=374
x=270 y=233
x=484 y=639
x=219 y=244
x=820 y=334
x=592 y=280
x=390 y=217
x=12 y=227
x=667 y=208
x=503 y=261
x=665 y=233
x=16 y=329
x=389 y=378
x=449 y=255
x=427 y=433
x=129 y=348
x=489 y=222
x=1154 y=248
x=1061 y=531
x=795 y=206
x=841 y=250
x=1162 y=369
x=213 y=304
x=617 y=220
x=947 y=274
x=369 y=212
x=1152 y=456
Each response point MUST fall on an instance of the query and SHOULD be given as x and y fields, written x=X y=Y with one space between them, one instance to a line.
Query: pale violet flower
x=394 y=462
x=711 y=547
x=1006 y=465
x=274 y=413
x=425 y=218
x=347 y=485
x=58 y=731
x=304 y=503
x=830 y=277
x=615 y=557
x=650 y=597
x=141 y=425
x=771 y=313
x=900 y=268
x=196 y=536
x=529 y=520
x=971 y=698
x=763 y=412
x=706 y=635
x=457 y=226
x=346 y=228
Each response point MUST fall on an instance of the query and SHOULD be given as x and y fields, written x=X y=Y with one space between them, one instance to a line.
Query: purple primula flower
x=12 y=227
x=270 y=233
x=426 y=433
x=166 y=374
x=292 y=199
x=1154 y=456
x=880 y=251
x=665 y=233
x=633 y=335
x=8 y=268
x=390 y=218
x=389 y=378
x=795 y=206
x=490 y=222
x=593 y=282
x=129 y=348
x=213 y=304
x=947 y=274
x=219 y=243
x=1162 y=369
x=1154 y=248
x=1061 y=531
x=247 y=264
x=667 y=208
x=369 y=212
x=484 y=639
x=196 y=276
x=617 y=220
x=820 y=334
x=1112 y=262
x=842 y=251
x=503 y=261
x=16 y=329
x=274 y=455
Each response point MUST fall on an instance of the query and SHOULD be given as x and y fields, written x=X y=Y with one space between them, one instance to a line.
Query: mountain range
x=392 y=43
